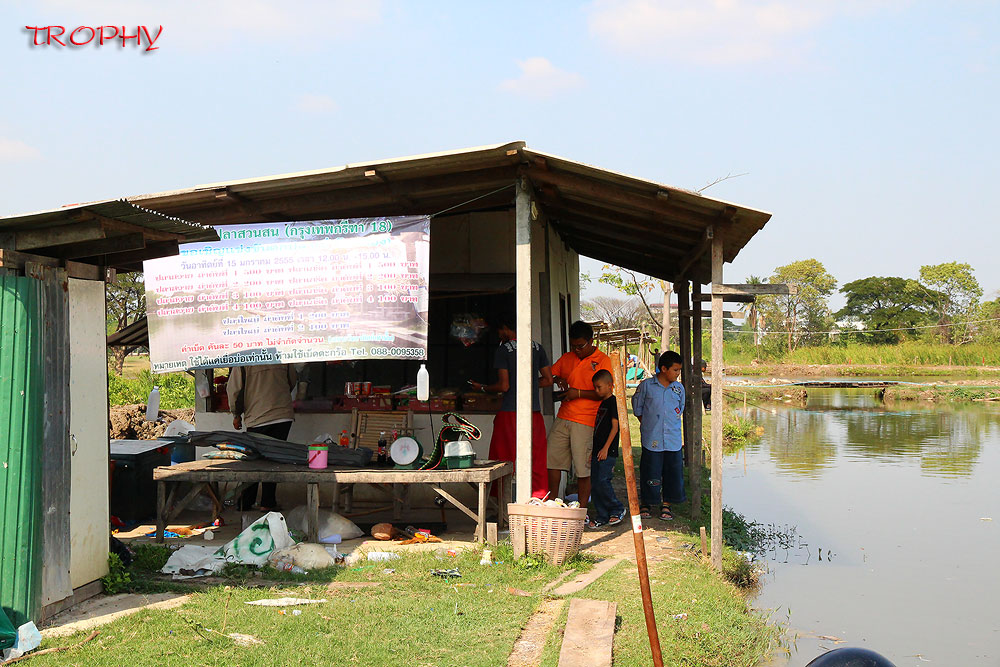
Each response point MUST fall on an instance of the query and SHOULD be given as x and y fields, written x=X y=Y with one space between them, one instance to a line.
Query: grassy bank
x=941 y=394
x=701 y=620
x=913 y=353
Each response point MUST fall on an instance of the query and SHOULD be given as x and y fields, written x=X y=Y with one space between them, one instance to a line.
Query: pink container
x=317 y=456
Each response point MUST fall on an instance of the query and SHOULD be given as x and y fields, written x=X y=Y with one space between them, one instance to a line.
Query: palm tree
x=751 y=313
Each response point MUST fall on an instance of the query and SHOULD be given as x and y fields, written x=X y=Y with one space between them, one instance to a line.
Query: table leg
x=161 y=510
x=312 y=512
x=508 y=492
x=397 y=502
x=336 y=497
x=501 y=502
x=481 y=524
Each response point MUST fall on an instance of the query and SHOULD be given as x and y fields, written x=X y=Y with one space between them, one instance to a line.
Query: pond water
x=896 y=518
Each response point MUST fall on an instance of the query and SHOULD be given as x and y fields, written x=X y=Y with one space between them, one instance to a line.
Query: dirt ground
x=128 y=422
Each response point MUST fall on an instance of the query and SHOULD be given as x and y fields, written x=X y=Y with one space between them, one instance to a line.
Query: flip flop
x=665 y=514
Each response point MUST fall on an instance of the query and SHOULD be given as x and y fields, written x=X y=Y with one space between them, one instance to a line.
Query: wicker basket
x=553 y=531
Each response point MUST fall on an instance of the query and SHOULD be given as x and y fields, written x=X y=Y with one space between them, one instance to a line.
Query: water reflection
x=944 y=440
x=904 y=499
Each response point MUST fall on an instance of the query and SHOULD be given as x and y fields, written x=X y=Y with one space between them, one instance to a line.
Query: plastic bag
x=330 y=523
x=28 y=639
x=305 y=555
x=8 y=633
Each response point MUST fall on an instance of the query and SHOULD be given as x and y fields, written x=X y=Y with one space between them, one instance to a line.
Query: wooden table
x=206 y=474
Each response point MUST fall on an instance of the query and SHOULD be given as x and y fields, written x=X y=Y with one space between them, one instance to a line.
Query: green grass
x=720 y=629
x=176 y=389
x=412 y=618
x=906 y=354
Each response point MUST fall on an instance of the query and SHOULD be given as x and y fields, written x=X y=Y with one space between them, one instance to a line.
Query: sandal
x=595 y=524
x=645 y=513
x=615 y=520
x=665 y=514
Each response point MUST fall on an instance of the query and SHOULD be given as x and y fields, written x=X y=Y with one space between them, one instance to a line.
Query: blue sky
x=868 y=128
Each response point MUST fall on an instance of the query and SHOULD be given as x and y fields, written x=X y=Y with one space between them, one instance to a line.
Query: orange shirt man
x=571 y=439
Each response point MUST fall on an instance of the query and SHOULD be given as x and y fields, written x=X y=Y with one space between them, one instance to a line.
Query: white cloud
x=716 y=32
x=311 y=103
x=208 y=24
x=540 y=78
x=12 y=150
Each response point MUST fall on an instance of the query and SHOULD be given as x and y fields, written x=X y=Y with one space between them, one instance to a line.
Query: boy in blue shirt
x=658 y=404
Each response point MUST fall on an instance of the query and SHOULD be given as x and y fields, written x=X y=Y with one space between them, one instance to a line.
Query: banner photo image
x=290 y=292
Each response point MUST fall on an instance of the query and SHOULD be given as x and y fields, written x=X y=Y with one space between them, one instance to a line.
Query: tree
x=616 y=313
x=632 y=284
x=752 y=313
x=806 y=310
x=889 y=303
x=126 y=304
x=961 y=293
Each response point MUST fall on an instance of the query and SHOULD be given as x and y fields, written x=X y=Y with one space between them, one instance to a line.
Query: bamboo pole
x=684 y=343
x=522 y=256
x=717 y=403
x=625 y=445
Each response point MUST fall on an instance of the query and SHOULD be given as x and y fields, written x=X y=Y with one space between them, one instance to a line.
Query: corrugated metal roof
x=639 y=224
x=113 y=233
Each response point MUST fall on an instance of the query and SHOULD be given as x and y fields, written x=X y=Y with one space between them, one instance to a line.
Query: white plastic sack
x=305 y=555
x=251 y=547
x=330 y=523
x=28 y=639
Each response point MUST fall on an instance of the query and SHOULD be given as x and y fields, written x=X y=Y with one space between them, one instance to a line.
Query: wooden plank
x=703 y=247
x=585 y=579
x=731 y=298
x=717 y=403
x=207 y=470
x=457 y=503
x=29 y=239
x=752 y=290
x=491 y=533
x=481 y=518
x=590 y=633
x=312 y=512
x=522 y=256
x=706 y=313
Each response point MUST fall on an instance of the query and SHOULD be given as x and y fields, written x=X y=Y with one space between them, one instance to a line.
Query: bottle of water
x=285 y=566
x=423 y=384
x=153 y=405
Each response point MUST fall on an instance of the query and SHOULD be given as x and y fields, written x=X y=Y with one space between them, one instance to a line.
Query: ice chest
x=133 y=491
x=459 y=454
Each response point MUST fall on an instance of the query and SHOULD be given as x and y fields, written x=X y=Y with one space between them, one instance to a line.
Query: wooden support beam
x=665 y=325
x=754 y=290
x=151 y=251
x=130 y=228
x=729 y=314
x=106 y=246
x=730 y=298
x=697 y=253
x=696 y=410
x=684 y=335
x=717 y=402
x=30 y=239
x=522 y=260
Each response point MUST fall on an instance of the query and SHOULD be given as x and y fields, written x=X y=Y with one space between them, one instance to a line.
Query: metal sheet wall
x=22 y=410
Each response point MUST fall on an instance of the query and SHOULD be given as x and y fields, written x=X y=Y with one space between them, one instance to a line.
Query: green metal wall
x=21 y=422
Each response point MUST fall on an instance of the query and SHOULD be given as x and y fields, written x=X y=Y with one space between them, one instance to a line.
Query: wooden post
x=684 y=334
x=704 y=544
x=625 y=442
x=717 y=403
x=523 y=284
x=697 y=458
x=665 y=340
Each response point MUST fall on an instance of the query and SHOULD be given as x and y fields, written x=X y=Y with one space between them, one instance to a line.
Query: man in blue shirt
x=658 y=404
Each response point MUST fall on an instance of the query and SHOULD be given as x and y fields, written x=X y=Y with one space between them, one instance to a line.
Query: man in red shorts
x=503 y=445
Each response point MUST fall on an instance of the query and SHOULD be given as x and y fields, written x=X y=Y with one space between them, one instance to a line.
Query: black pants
x=267 y=499
x=706 y=396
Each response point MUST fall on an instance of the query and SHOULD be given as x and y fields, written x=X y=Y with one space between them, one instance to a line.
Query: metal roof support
x=524 y=273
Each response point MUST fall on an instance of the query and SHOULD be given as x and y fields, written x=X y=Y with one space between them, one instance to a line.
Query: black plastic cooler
x=133 y=491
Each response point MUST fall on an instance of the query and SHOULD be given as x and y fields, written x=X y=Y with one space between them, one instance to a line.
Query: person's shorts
x=570 y=442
